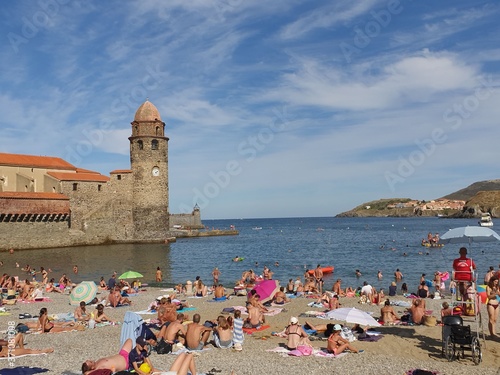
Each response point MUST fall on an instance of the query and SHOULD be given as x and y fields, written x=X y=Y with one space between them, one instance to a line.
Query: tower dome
x=147 y=112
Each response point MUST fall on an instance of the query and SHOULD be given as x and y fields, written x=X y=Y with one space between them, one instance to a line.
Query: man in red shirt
x=463 y=270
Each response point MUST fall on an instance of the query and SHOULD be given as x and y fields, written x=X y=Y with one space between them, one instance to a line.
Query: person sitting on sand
x=100 y=316
x=310 y=285
x=337 y=288
x=138 y=358
x=255 y=317
x=254 y=299
x=37 y=293
x=417 y=310
x=49 y=288
x=174 y=332
x=197 y=335
x=45 y=326
x=27 y=290
x=200 y=289
x=102 y=284
x=223 y=333
x=295 y=334
x=117 y=362
x=387 y=314
x=337 y=344
x=81 y=313
x=446 y=310
x=220 y=293
x=115 y=298
x=280 y=297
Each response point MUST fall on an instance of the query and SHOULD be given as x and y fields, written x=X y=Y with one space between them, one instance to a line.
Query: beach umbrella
x=353 y=315
x=469 y=235
x=481 y=292
x=85 y=291
x=130 y=275
x=266 y=289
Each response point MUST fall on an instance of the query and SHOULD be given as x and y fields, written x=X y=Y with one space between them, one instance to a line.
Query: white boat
x=257 y=228
x=485 y=220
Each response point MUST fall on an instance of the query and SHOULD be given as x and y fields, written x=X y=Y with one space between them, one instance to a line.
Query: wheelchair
x=458 y=338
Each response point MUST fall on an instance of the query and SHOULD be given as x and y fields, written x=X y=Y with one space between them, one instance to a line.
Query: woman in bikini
x=492 y=291
x=295 y=334
x=45 y=325
x=337 y=344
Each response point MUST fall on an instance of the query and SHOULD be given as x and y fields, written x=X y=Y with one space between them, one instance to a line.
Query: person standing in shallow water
x=159 y=276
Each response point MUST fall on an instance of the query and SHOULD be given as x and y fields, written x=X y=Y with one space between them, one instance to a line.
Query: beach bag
x=163 y=347
x=347 y=334
x=22 y=328
x=469 y=308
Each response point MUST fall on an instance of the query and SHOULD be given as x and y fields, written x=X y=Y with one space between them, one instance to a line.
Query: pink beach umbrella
x=266 y=289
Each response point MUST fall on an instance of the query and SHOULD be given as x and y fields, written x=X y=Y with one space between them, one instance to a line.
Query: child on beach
x=453 y=287
x=446 y=310
x=238 y=336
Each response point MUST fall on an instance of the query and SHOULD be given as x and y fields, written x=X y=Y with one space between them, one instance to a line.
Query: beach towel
x=146 y=312
x=24 y=370
x=313 y=314
x=131 y=328
x=238 y=336
x=249 y=331
x=316 y=304
x=186 y=309
x=220 y=299
x=284 y=352
x=24 y=355
x=274 y=311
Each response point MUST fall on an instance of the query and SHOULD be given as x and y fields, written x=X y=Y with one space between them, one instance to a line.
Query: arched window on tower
x=158 y=131
x=141 y=145
x=154 y=144
x=136 y=129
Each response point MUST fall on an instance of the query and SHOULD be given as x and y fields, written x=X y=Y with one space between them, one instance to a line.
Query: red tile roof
x=96 y=177
x=116 y=171
x=23 y=195
x=81 y=170
x=18 y=160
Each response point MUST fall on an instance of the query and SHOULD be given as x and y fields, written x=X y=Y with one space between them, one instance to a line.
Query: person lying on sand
x=117 y=362
x=6 y=352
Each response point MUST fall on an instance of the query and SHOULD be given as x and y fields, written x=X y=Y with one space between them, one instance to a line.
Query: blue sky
x=275 y=109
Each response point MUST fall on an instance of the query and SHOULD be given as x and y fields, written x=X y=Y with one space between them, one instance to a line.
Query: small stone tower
x=149 y=164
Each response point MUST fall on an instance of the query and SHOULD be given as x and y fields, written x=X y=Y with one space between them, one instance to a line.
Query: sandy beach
x=400 y=349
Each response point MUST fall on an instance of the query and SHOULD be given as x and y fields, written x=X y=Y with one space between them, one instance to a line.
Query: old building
x=47 y=202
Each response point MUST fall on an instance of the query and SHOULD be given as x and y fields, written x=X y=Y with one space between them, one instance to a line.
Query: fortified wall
x=47 y=202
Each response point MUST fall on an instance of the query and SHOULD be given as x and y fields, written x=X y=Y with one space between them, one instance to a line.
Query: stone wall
x=192 y=220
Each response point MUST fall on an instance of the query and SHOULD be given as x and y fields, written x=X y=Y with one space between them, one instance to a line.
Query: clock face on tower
x=155 y=171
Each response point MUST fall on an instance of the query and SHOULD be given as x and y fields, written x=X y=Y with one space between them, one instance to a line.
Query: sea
x=288 y=246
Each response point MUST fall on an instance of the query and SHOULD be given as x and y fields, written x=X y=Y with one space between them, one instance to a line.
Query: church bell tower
x=149 y=164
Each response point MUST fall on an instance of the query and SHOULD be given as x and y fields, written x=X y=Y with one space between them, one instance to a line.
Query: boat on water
x=256 y=228
x=485 y=220
x=326 y=270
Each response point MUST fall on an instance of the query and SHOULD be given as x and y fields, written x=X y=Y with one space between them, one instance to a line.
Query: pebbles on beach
x=402 y=348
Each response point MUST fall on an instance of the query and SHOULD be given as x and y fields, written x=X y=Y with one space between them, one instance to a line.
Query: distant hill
x=471 y=190
x=480 y=197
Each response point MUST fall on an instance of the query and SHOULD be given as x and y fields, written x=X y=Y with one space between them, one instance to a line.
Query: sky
x=285 y=108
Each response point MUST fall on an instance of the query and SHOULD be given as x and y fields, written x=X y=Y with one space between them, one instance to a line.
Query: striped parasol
x=85 y=291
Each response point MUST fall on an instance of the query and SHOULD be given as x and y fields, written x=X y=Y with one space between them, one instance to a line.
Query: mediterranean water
x=367 y=244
